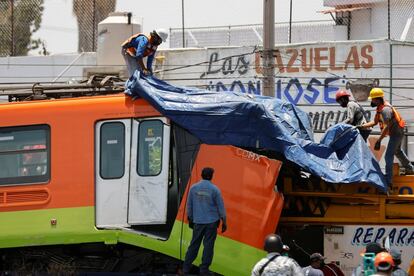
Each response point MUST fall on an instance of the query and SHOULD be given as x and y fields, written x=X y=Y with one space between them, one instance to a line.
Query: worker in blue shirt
x=205 y=209
x=139 y=46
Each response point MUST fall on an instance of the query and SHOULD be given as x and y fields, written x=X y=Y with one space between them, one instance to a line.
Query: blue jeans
x=394 y=148
x=131 y=62
x=206 y=233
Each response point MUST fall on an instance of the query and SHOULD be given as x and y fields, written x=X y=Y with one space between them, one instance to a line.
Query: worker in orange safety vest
x=392 y=125
x=139 y=46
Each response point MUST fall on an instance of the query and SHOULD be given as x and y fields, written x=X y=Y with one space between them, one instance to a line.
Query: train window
x=150 y=140
x=24 y=154
x=112 y=154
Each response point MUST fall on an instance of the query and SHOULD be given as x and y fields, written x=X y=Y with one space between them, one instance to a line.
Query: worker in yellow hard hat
x=391 y=124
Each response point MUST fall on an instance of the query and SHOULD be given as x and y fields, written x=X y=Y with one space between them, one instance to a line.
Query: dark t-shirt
x=389 y=119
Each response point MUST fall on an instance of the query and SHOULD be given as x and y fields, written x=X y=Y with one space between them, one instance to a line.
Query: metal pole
x=182 y=22
x=290 y=23
x=268 y=48
x=12 y=28
x=391 y=69
x=93 y=25
x=389 y=20
x=229 y=36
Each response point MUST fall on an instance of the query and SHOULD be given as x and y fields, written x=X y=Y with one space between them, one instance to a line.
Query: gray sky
x=59 y=27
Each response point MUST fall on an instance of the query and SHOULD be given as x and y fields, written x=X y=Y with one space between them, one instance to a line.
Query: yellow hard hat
x=376 y=93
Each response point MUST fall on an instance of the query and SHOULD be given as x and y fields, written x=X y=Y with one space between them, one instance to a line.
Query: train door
x=131 y=172
x=148 y=186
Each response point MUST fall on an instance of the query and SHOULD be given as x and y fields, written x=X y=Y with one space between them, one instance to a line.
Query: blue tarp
x=231 y=118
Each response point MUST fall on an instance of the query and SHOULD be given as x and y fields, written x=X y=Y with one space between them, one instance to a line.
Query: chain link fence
x=252 y=34
x=88 y=14
x=349 y=20
x=373 y=19
x=19 y=19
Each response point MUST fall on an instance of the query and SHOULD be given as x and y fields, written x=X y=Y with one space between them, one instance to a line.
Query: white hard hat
x=162 y=33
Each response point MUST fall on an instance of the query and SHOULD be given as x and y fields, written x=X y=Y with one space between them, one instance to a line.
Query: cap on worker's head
x=316 y=257
x=376 y=93
x=396 y=254
x=162 y=33
x=341 y=93
x=383 y=261
x=273 y=243
x=373 y=247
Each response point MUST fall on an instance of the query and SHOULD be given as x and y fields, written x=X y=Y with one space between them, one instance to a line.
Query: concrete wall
x=32 y=69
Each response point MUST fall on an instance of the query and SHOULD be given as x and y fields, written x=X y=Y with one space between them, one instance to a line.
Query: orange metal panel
x=247 y=182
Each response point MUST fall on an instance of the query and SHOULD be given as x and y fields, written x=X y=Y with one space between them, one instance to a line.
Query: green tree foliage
x=26 y=16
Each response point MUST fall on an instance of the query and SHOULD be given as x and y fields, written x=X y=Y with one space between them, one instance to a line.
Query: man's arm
x=369 y=124
x=139 y=56
x=190 y=205
x=150 y=59
x=222 y=211
x=383 y=132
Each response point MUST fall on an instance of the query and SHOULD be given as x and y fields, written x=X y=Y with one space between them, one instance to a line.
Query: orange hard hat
x=383 y=261
x=341 y=93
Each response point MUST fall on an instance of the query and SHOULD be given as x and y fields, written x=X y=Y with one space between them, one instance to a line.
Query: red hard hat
x=341 y=93
x=383 y=261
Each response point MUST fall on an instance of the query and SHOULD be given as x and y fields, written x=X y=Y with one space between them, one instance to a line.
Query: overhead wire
x=217 y=67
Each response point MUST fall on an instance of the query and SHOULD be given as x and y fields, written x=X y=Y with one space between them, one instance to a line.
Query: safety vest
x=378 y=116
x=149 y=49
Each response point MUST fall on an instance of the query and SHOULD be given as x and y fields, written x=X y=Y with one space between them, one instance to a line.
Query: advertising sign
x=346 y=248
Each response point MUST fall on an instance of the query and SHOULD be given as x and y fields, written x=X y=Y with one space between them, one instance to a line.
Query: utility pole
x=94 y=25
x=12 y=28
x=182 y=21
x=290 y=23
x=268 y=48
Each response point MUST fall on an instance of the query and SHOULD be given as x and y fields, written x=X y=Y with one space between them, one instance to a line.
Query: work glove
x=223 y=227
x=377 y=145
x=146 y=72
x=190 y=223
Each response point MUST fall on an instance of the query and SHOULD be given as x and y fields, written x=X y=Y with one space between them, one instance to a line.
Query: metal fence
x=248 y=35
x=19 y=19
x=349 y=20
x=88 y=14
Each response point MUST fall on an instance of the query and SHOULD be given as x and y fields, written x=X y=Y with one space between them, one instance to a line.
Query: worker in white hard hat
x=139 y=46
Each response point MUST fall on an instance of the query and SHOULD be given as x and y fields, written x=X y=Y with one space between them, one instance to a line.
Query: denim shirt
x=140 y=44
x=205 y=203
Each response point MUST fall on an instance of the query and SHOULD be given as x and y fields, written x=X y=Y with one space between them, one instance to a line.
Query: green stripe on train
x=77 y=225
